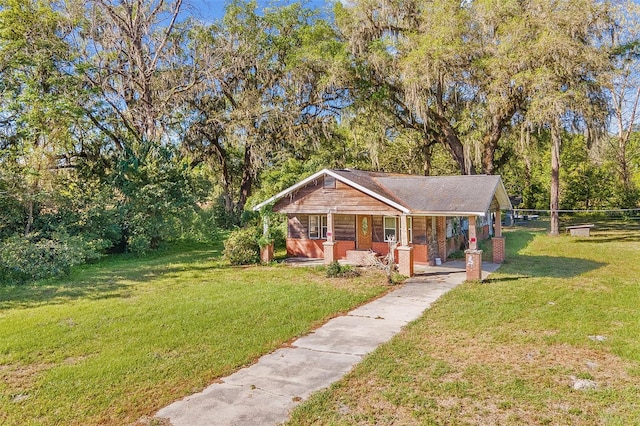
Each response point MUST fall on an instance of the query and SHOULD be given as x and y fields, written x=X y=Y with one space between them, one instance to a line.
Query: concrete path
x=265 y=392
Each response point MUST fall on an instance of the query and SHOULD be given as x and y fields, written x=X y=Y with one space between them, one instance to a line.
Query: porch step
x=361 y=257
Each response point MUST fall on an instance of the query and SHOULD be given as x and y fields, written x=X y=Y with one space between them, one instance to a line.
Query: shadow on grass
x=527 y=266
x=111 y=277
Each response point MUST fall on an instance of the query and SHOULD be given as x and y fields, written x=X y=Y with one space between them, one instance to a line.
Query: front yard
x=122 y=338
x=551 y=338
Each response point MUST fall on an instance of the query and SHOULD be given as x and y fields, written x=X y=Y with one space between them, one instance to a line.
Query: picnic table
x=580 y=230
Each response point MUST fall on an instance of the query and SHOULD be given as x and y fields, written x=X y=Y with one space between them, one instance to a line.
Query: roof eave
x=342 y=179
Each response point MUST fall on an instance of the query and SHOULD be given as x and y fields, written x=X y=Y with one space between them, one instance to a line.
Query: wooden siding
x=315 y=199
x=344 y=227
x=297 y=227
x=419 y=228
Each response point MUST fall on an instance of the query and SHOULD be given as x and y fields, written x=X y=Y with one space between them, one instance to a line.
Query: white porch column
x=330 y=246
x=405 y=252
x=473 y=238
x=330 y=227
x=404 y=231
x=498 y=240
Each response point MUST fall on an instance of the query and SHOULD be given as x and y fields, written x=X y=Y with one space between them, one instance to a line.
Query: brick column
x=330 y=252
x=441 y=236
x=266 y=253
x=405 y=261
x=474 y=265
x=498 y=249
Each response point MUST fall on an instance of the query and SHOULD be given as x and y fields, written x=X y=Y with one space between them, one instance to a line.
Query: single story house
x=341 y=213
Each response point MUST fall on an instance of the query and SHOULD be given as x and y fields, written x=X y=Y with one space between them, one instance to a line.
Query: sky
x=211 y=10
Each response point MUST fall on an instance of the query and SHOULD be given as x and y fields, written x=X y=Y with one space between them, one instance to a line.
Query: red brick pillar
x=441 y=235
x=266 y=253
x=498 y=249
x=474 y=265
x=405 y=261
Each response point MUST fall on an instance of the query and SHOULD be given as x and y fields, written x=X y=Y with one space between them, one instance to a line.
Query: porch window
x=318 y=227
x=390 y=228
x=410 y=228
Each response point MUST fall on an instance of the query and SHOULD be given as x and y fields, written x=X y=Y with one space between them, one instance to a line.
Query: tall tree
x=38 y=106
x=263 y=92
x=623 y=84
x=564 y=46
x=139 y=63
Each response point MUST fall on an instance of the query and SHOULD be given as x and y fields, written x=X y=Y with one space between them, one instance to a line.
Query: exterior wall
x=300 y=245
x=425 y=248
x=316 y=199
x=305 y=248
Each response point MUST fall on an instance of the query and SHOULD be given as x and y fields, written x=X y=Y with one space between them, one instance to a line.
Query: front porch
x=421 y=272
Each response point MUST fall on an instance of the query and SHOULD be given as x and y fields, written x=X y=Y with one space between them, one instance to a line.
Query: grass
x=508 y=351
x=120 y=339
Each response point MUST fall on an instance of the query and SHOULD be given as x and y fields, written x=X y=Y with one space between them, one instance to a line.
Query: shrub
x=336 y=270
x=241 y=247
x=32 y=257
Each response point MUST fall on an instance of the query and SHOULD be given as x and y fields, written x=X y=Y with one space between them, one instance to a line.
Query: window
x=329 y=182
x=317 y=227
x=410 y=228
x=390 y=228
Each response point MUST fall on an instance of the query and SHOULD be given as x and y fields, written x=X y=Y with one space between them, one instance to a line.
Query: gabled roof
x=425 y=195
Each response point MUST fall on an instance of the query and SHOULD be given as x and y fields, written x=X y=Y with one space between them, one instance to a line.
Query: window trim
x=395 y=228
x=321 y=226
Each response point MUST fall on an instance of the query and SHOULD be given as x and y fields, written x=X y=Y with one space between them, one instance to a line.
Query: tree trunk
x=556 y=141
x=427 y=150
x=247 y=181
x=449 y=138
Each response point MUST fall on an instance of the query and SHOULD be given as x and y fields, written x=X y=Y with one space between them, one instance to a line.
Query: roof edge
x=339 y=177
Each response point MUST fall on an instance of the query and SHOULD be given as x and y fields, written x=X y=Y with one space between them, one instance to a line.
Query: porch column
x=473 y=237
x=498 y=240
x=441 y=237
x=405 y=252
x=473 y=256
x=330 y=246
x=266 y=247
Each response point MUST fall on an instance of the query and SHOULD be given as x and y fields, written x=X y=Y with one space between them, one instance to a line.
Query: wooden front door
x=363 y=227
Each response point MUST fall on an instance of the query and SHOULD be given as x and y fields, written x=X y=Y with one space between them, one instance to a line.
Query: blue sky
x=210 y=10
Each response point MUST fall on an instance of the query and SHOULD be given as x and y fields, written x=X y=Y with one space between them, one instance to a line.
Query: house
x=341 y=214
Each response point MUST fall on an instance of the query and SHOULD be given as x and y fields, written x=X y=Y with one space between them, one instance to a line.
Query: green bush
x=241 y=247
x=336 y=270
x=30 y=258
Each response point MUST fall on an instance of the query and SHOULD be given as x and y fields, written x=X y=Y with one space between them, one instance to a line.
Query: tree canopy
x=125 y=124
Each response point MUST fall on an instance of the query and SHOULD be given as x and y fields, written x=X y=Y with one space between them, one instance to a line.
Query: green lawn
x=124 y=337
x=508 y=351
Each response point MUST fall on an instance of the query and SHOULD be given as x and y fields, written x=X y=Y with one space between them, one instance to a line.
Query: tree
x=39 y=100
x=262 y=95
x=562 y=85
x=623 y=85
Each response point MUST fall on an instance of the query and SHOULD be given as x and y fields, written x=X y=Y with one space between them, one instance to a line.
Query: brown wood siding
x=378 y=229
x=313 y=198
x=344 y=227
x=420 y=229
x=297 y=226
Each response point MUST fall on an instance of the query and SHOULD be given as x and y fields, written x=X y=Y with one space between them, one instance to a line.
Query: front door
x=363 y=227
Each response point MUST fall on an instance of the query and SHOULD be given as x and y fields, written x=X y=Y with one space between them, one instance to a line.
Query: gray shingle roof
x=428 y=195
x=433 y=194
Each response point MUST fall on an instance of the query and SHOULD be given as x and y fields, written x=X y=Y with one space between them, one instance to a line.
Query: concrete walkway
x=265 y=392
